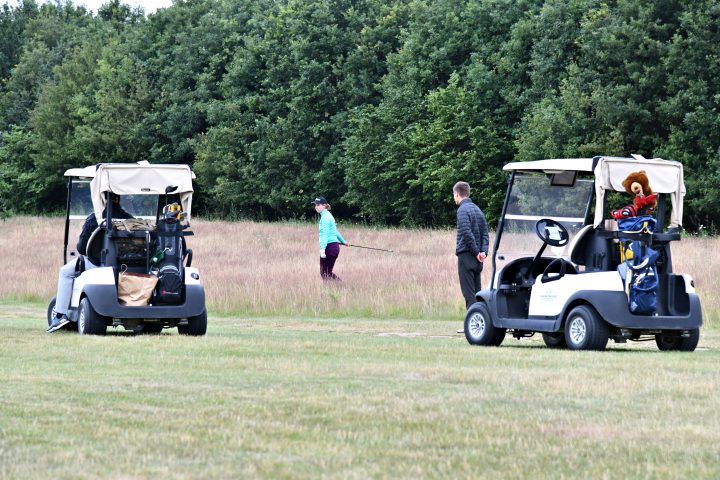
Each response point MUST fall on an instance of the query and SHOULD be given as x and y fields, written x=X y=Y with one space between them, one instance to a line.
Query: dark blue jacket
x=472 y=230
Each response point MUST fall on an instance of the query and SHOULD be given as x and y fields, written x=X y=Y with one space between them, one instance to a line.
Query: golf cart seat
x=131 y=249
x=95 y=245
x=520 y=274
x=593 y=250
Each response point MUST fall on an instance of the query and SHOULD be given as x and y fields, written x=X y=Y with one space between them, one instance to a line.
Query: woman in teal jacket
x=330 y=239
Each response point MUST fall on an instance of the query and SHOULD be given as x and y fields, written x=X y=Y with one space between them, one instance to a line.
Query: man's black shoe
x=58 y=323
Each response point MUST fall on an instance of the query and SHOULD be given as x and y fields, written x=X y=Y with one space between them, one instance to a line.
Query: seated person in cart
x=68 y=271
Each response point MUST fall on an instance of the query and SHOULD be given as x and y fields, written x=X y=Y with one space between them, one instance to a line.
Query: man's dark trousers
x=469 y=270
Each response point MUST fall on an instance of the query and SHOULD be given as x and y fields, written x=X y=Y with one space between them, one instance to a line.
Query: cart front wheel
x=479 y=328
x=51 y=311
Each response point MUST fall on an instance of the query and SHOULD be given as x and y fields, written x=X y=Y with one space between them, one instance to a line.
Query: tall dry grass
x=273 y=268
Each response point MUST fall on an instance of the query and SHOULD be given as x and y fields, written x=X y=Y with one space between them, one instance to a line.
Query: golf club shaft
x=369 y=248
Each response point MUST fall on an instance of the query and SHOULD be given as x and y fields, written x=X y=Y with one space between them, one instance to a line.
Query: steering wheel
x=563 y=267
x=552 y=232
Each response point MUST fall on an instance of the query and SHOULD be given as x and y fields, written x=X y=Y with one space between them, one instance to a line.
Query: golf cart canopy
x=140 y=178
x=556 y=165
x=665 y=176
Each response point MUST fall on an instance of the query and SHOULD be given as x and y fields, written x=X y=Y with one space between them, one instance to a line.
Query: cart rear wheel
x=89 y=322
x=196 y=326
x=678 y=343
x=585 y=330
x=479 y=328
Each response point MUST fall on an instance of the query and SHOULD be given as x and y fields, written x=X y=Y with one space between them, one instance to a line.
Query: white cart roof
x=665 y=176
x=140 y=178
x=553 y=166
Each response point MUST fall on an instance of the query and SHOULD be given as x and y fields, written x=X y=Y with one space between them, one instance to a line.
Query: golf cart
x=573 y=293
x=159 y=198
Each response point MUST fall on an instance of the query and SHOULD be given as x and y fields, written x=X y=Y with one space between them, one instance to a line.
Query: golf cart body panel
x=99 y=285
x=611 y=306
x=551 y=298
x=534 y=289
x=103 y=298
x=133 y=245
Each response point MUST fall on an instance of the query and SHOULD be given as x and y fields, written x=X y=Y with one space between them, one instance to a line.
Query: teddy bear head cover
x=645 y=201
x=637 y=183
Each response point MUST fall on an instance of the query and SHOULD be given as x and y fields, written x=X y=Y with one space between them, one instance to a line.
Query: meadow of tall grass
x=260 y=269
x=252 y=268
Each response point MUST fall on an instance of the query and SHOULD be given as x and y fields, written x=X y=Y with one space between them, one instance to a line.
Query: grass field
x=293 y=397
x=364 y=379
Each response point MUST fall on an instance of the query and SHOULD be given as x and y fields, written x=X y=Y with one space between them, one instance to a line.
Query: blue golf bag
x=639 y=270
x=641 y=283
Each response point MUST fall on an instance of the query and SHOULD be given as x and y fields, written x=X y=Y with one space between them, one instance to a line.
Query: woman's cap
x=320 y=201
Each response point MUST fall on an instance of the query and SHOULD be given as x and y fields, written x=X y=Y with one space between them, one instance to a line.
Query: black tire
x=72 y=326
x=677 y=343
x=89 y=322
x=554 y=340
x=479 y=328
x=585 y=330
x=51 y=310
x=196 y=326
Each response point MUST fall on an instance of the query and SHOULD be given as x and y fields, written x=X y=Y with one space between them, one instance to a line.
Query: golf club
x=369 y=248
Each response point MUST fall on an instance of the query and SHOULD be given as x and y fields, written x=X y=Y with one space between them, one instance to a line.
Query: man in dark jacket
x=472 y=242
x=67 y=272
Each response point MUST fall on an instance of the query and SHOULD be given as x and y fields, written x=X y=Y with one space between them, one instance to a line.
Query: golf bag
x=642 y=224
x=169 y=261
x=641 y=283
x=640 y=272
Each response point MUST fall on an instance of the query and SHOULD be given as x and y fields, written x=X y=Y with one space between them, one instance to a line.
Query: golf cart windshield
x=534 y=196
x=139 y=206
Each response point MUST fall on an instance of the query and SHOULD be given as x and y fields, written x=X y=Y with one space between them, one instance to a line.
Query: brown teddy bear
x=645 y=201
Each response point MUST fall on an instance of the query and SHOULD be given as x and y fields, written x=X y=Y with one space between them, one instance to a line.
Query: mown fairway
x=352 y=398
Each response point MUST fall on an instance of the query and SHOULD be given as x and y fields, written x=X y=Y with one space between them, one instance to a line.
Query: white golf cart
x=132 y=246
x=572 y=293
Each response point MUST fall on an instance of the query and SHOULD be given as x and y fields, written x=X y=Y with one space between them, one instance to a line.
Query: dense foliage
x=380 y=105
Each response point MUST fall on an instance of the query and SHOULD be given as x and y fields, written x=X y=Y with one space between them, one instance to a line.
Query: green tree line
x=380 y=105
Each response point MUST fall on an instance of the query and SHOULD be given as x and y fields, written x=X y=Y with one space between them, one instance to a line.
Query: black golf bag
x=169 y=261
